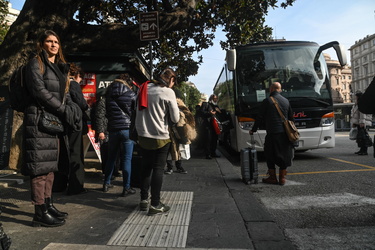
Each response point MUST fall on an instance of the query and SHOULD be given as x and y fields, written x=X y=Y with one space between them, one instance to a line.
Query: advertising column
x=6 y=119
x=88 y=86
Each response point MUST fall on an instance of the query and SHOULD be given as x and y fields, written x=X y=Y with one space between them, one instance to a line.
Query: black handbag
x=50 y=124
x=368 y=140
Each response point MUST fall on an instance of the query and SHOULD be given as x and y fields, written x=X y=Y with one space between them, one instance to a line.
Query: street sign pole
x=149 y=30
x=151 y=61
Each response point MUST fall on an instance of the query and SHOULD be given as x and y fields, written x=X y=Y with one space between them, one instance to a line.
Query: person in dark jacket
x=277 y=148
x=77 y=167
x=208 y=110
x=101 y=136
x=46 y=81
x=120 y=105
x=366 y=103
x=360 y=121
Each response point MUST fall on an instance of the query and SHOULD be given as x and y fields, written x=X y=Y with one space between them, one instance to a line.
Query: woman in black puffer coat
x=46 y=82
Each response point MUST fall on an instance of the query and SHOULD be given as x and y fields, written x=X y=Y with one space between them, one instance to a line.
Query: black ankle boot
x=53 y=210
x=43 y=218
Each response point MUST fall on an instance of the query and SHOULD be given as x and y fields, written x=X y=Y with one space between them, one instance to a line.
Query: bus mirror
x=231 y=59
x=341 y=54
x=340 y=51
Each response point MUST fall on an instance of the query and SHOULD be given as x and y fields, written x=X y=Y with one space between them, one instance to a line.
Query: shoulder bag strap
x=278 y=108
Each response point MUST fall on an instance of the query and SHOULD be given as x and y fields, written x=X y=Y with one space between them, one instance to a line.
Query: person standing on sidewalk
x=157 y=108
x=208 y=110
x=76 y=175
x=47 y=84
x=360 y=120
x=277 y=147
x=181 y=133
x=99 y=123
x=120 y=105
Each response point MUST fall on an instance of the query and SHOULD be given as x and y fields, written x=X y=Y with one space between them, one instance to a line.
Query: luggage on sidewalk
x=249 y=164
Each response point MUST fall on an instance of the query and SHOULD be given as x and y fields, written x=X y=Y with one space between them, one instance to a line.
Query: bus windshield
x=304 y=83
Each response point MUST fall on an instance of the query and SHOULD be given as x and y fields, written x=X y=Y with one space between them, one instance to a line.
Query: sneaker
x=181 y=171
x=168 y=171
x=161 y=208
x=143 y=205
x=106 y=187
x=128 y=191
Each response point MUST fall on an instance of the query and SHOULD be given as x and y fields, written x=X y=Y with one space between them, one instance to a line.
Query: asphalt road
x=329 y=199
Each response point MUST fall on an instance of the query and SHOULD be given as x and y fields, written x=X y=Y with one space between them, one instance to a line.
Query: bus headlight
x=327 y=119
x=245 y=123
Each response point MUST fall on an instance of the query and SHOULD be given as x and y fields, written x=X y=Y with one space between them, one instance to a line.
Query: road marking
x=352 y=163
x=164 y=230
x=368 y=168
x=317 y=201
x=332 y=238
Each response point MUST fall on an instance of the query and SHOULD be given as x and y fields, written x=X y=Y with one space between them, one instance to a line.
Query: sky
x=320 y=21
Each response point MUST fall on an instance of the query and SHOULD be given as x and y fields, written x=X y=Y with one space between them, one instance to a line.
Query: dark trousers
x=178 y=164
x=153 y=163
x=76 y=167
x=361 y=139
x=104 y=155
x=41 y=188
x=210 y=141
x=278 y=151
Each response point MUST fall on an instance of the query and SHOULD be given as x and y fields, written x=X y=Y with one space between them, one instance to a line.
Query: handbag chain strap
x=278 y=108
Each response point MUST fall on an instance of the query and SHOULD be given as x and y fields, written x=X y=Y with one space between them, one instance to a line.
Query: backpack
x=18 y=94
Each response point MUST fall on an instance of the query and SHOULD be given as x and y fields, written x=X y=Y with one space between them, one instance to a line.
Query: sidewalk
x=210 y=208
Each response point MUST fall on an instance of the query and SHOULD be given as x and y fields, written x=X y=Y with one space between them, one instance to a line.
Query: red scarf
x=142 y=96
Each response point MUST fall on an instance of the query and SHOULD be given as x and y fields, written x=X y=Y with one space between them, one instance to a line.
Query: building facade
x=362 y=55
x=12 y=15
x=341 y=80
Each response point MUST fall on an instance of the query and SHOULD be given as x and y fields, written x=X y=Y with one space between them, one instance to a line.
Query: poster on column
x=88 y=86
x=6 y=121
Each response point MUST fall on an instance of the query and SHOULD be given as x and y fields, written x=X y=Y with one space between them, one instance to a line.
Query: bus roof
x=278 y=43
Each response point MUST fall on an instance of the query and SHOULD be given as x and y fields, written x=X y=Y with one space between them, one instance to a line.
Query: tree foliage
x=192 y=96
x=3 y=24
x=186 y=27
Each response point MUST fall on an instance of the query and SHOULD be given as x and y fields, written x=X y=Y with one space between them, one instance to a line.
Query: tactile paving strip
x=162 y=230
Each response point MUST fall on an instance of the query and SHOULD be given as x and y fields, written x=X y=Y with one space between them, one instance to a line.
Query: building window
x=365 y=70
x=365 y=46
x=356 y=63
x=364 y=59
x=343 y=77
